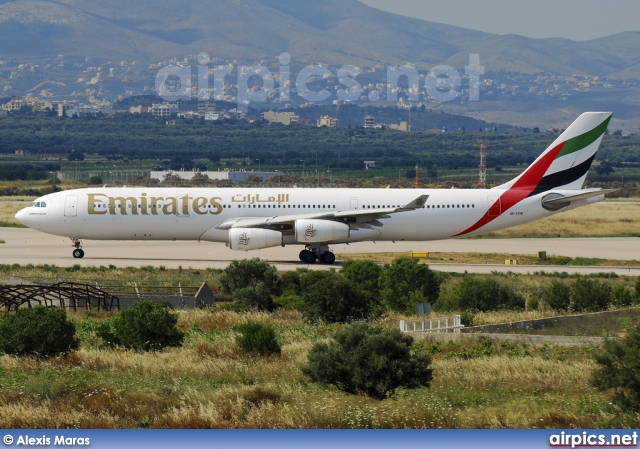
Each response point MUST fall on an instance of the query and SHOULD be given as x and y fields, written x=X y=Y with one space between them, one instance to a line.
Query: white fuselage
x=195 y=213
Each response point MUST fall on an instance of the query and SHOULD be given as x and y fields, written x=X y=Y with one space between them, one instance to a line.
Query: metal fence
x=434 y=325
x=100 y=295
x=65 y=295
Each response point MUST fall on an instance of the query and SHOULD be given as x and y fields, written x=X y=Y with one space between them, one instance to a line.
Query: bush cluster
x=252 y=282
x=145 y=326
x=258 y=337
x=361 y=290
x=584 y=295
x=40 y=332
x=369 y=360
x=479 y=295
x=619 y=369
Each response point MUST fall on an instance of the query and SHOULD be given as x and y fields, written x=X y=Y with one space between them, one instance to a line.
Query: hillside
x=328 y=31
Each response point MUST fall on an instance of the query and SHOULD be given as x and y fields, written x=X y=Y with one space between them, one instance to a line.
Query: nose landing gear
x=78 y=253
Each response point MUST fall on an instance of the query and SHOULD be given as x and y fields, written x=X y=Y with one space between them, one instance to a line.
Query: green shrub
x=145 y=326
x=466 y=318
x=365 y=275
x=621 y=296
x=590 y=295
x=252 y=282
x=39 y=332
x=257 y=337
x=95 y=180
x=481 y=295
x=291 y=301
x=331 y=298
x=619 y=369
x=405 y=282
x=290 y=281
x=557 y=296
x=369 y=360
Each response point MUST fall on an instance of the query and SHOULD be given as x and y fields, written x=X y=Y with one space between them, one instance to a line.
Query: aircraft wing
x=349 y=216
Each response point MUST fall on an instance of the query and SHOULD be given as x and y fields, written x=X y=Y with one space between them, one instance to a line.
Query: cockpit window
x=38 y=204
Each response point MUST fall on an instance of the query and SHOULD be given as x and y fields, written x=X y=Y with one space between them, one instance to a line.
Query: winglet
x=418 y=203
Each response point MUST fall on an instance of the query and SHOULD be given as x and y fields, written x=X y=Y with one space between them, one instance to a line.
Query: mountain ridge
x=327 y=31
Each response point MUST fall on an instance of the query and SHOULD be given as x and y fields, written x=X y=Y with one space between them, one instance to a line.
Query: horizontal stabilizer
x=558 y=200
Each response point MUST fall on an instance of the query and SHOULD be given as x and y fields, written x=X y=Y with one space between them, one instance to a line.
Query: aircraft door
x=354 y=203
x=71 y=206
x=495 y=206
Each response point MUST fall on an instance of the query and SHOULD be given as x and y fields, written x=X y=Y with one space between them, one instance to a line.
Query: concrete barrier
x=529 y=340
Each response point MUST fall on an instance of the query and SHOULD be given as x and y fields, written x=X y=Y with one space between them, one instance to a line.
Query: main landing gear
x=77 y=253
x=319 y=252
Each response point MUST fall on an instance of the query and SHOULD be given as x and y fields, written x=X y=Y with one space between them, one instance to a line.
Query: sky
x=572 y=19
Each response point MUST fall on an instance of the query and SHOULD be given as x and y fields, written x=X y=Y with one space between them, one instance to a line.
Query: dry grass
x=8 y=210
x=605 y=219
x=488 y=258
x=211 y=383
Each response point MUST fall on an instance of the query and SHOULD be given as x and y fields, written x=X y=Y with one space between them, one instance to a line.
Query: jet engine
x=312 y=231
x=246 y=239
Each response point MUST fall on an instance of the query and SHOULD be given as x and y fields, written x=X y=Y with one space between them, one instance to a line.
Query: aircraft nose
x=22 y=215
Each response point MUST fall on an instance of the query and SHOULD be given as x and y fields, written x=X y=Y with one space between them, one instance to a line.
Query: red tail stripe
x=521 y=189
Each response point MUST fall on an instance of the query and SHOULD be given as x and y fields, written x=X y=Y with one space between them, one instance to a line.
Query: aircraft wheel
x=309 y=257
x=327 y=258
x=302 y=254
x=78 y=253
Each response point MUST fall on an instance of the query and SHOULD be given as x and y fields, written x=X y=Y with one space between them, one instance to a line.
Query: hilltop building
x=163 y=109
x=286 y=118
x=369 y=122
x=403 y=126
x=327 y=121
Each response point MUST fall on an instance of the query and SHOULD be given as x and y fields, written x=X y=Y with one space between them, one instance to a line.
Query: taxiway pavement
x=26 y=246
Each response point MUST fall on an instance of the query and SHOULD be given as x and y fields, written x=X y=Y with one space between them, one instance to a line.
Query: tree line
x=143 y=137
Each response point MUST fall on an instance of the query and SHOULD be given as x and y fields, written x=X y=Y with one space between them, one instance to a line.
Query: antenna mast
x=482 y=181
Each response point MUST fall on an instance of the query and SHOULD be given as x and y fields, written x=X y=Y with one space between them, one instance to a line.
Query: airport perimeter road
x=26 y=246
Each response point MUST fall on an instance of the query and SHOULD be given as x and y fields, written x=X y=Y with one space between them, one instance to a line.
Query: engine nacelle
x=246 y=239
x=313 y=231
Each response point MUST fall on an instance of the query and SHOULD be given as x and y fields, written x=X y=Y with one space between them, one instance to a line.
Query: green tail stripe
x=584 y=140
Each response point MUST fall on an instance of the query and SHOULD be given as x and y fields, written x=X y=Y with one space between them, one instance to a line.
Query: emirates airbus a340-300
x=255 y=218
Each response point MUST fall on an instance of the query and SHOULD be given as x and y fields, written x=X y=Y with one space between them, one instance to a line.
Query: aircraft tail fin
x=565 y=163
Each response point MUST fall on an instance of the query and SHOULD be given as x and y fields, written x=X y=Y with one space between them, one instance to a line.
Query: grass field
x=211 y=383
x=493 y=258
x=9 y=206
x=604 y=219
